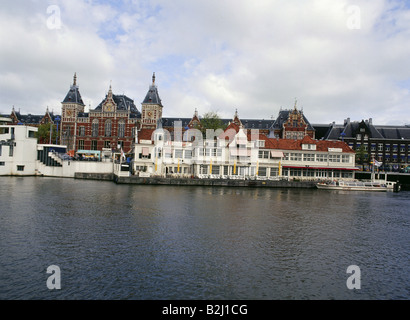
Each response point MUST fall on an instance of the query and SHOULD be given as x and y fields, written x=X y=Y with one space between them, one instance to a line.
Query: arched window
x=107 y=129
x=121 y=129
x=94 y=128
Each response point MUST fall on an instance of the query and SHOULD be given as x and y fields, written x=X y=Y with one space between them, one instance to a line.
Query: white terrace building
x=237 y=153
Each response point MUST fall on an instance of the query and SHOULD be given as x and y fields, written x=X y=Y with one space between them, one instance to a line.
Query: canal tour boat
x=373 y=185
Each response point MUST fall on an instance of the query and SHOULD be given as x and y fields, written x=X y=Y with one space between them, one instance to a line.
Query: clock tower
x=151 y=107
x=71 y=106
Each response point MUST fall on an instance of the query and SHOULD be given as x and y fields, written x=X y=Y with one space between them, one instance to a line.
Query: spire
x=296 y=103
x=153 y=79
x=196 y=113
x=75 y=79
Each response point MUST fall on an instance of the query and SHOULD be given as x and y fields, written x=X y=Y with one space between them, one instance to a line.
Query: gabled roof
x=283 y=117
x=122 y=102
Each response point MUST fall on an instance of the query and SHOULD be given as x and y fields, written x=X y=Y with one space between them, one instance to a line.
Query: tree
x=211 y=120
x=361 y=155
x=43 y=133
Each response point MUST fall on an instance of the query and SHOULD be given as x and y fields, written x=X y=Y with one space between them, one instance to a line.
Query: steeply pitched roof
x=73 y=95
x=152 y=96
x=123 y=103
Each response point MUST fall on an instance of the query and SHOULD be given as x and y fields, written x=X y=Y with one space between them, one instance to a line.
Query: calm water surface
x=161 y=242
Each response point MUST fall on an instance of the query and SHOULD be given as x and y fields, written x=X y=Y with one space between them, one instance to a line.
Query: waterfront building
x=239 y=153
x=111 y=125
x=18 y=150
x=389 y=145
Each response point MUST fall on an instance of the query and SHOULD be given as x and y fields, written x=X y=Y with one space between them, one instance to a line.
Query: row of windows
x=94 y=144
x=312 y=157
x=381 y=147
x=108 y=130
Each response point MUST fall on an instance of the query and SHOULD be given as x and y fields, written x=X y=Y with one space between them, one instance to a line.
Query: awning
x=240 y=152
x=145 y=151
x=276 y=154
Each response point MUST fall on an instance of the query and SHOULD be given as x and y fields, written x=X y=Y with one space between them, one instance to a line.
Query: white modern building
x=18 y=150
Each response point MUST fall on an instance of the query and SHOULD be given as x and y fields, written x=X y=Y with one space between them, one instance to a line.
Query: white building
x=238 y=153
x=18 y=150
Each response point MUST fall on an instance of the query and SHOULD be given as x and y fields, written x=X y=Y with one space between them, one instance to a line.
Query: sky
x=335 y=59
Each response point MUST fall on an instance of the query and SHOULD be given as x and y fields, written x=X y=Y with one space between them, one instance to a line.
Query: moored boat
x=359 y=185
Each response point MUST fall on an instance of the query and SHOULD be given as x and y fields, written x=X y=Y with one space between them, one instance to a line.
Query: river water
x=162 y=242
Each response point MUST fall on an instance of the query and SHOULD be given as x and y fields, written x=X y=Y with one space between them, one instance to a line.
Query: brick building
x=110 y=125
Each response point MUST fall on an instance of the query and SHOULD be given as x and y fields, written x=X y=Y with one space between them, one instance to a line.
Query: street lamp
x=57 y=120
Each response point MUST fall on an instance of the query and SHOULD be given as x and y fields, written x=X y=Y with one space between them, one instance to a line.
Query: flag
x=377 y=163
x=122 y=154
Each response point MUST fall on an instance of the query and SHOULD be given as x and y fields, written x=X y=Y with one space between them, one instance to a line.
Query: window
x=31 y=134
x=0 y=149
x=261 y=143
x=262 y=171
x=380 y=147
x=321 y=157
x=107 y=128
x=387 y=147
x=263 y=154
x=11 y=150
x=81 y=131
x=345 y=158
x=121 y=128
x=309 y=157
x=203 y=169
x=178 y=153
x=2 y=163
x=334 y=157
x=20 y=168
x=107 y=144
x=81 y=144
x=295 y=157
x=94 y=145
x=188 y=154
x=215 y=169
x=94 y=129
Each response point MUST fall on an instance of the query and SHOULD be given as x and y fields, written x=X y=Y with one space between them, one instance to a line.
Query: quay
x=213 y=182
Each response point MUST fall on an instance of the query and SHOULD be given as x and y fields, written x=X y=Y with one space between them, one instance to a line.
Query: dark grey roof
x=351 y=129
x=123 y=104
x=283 y=117
x=73 y=96
x=29 y=118
x=247 y=123
x=152 y=96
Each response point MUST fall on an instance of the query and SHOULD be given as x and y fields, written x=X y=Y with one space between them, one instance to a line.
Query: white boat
x=375 y=185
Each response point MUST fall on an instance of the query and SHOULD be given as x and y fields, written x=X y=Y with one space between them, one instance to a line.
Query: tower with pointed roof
x=71 y=106
x=151 y=107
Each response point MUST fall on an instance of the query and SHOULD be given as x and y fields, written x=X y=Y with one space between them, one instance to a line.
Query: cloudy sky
x=337 y=58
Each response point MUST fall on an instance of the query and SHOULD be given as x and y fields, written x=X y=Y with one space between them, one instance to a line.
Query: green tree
x=211 y=120
x=361 y=155
x=43 y=133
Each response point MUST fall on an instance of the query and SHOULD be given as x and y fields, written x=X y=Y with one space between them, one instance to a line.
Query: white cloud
x=214 y=55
